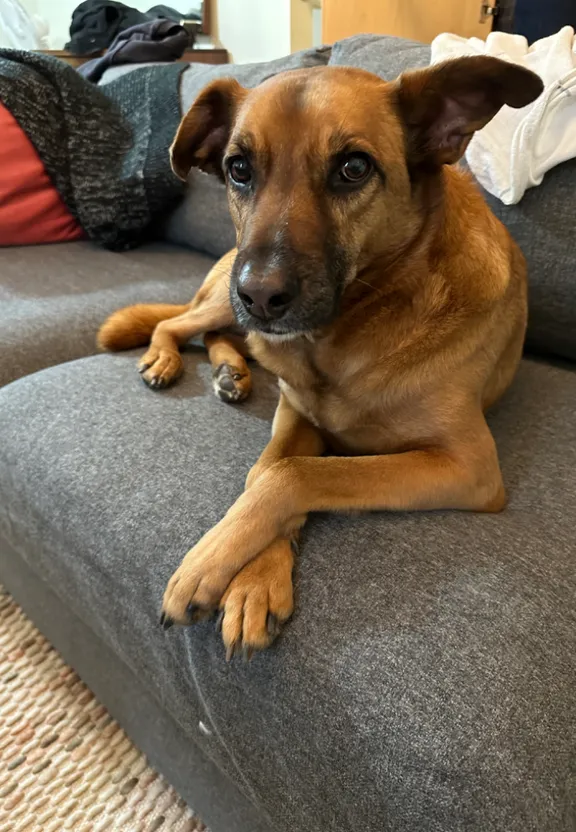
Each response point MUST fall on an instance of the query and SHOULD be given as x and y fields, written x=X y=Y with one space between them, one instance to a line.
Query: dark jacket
x=95 y=24
x=152 y=42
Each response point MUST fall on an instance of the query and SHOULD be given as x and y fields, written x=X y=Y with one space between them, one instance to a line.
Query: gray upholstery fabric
x=426 y=683
x=118 y=71
x=198 y=76
x=54 y=298
x=542 y=223
x=381 y=54
x=202 y=220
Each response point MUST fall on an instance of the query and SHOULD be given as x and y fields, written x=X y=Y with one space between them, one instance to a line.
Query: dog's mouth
x=272 y=329
x=278 y=334
x=296 y=323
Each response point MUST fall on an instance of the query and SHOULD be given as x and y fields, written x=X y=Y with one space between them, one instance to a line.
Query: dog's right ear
x=205 y=129
x=442 y=106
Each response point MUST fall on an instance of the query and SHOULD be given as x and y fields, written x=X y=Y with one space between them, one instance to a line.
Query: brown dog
x=374 y=282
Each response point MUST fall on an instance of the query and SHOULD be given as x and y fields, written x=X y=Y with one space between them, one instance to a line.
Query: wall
x=253 y=30
x=317 y=27
x=261 y=30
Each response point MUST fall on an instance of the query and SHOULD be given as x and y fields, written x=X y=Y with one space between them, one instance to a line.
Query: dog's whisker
x=370 y=286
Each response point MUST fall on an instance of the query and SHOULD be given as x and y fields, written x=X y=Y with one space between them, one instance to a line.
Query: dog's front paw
x=203 y=576
x=205 y=573
x=193 y=592
x=160 y=367
x=230 y=384
x=258 y=601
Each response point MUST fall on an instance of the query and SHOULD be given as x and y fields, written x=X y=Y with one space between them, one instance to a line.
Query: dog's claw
x=230 y=650
x=247 y=653
x=192 y=611
x=155 y=383
x=219 y=621
x=273 y=625
x=166 y=621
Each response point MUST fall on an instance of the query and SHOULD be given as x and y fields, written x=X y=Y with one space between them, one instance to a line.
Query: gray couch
x=427 y=682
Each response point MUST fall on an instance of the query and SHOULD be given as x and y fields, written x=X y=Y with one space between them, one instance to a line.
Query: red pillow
x=31 y=210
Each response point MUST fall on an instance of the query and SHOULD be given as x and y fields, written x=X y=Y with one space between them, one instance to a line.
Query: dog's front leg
x=258 y=598
x=462 y=475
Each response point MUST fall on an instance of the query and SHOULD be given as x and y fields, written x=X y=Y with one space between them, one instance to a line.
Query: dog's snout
x=265 y=296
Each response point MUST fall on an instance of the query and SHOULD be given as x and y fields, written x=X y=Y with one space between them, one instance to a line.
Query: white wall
x=317 y=27
x=254 y=30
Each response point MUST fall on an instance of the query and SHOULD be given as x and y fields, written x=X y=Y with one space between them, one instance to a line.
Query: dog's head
x=322 y=168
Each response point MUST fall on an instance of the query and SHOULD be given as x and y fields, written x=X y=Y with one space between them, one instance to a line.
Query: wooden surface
x=73 y=60
x=416 y=19
x=191 y=56
x=207 y=18
x=300 y=25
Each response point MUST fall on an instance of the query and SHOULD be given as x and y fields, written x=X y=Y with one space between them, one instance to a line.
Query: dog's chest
x=341 y=392
x=314 y=380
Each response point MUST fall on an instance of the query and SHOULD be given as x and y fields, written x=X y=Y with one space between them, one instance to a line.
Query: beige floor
x=64 y=763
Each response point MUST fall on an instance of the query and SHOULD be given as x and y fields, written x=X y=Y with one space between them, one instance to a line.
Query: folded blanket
x=515 y=149
x=105 y=149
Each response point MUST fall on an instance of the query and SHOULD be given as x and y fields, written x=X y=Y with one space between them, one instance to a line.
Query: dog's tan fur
x=428 y=334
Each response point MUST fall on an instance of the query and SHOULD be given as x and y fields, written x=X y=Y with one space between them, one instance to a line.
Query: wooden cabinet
x=212 y=55
x=416 y=19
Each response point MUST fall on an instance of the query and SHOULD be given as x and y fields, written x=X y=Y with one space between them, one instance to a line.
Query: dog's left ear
x=205 y=129
x=443 y=106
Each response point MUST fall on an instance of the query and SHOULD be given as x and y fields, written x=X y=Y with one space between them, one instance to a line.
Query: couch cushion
x=383 y=55
x=53 y=298
x=202 y=220
x=427 y=680
x=542 y=222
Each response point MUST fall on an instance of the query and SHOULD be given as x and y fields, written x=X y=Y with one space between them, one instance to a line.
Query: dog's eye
x=355 y=169
x=240 y=170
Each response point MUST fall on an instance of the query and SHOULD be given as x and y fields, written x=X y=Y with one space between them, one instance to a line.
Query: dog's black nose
x=265 y=296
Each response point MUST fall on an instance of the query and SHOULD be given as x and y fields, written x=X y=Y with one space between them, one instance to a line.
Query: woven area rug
x=65 y=764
